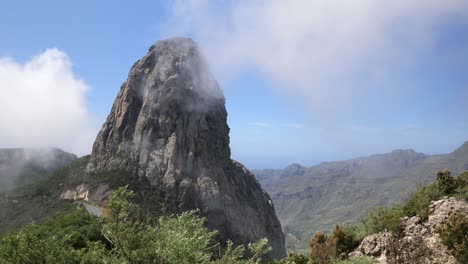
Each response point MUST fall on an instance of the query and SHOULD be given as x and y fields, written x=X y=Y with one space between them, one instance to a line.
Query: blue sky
x=305 y=81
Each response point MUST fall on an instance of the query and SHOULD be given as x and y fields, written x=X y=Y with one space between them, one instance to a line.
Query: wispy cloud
x=293 y=125
x=260 y=124
x=277 y=125
x=330 y=53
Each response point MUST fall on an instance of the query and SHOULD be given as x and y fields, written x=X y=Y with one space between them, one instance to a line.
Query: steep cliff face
x=168 y=127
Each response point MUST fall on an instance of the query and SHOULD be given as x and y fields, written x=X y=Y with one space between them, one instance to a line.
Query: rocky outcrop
x=83 y=192
x=419 y=241
x=168 y=127
x=374 y=245
x=80 y=193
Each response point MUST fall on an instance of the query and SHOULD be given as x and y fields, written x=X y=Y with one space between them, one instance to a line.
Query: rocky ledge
x=419 y=241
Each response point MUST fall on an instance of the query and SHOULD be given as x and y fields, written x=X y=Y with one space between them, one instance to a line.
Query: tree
x=319 y=249
x=446 y=182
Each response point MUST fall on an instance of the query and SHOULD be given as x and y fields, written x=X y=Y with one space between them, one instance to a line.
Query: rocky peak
x=168 y=127
x=294 y=169
x=462 y=150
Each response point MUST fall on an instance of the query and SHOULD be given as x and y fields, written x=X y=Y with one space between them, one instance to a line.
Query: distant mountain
x=19 y=166
x=311 y=199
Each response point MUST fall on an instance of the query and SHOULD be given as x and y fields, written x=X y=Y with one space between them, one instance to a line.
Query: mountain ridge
x=315 y=198
x=19 y=166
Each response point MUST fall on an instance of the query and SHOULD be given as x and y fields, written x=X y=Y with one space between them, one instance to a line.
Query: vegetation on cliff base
x=326 y=249
x=123 y=236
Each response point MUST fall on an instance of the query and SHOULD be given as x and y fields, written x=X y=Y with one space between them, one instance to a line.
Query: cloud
x=43 y=104
x=293 y=125
x=330 y=53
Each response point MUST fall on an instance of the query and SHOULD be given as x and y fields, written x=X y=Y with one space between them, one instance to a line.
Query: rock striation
x=419 y=241
x=168 y=127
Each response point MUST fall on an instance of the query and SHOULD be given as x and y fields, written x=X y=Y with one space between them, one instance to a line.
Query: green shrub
x=120 y=237
x=65 y=238
x=383 y=219
x=358 y=231
x=342 y=241
x=445 y=182
x=293 y=258
x=418 y=204
x=320 y=251
x=455 y=236
x=462 y=186
x=325 y=249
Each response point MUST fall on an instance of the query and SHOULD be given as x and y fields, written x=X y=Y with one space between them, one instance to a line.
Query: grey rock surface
x=419 y=242
x=168 y=126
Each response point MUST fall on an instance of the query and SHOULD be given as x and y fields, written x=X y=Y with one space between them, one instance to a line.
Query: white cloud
x=330 y=53
x=42 y=104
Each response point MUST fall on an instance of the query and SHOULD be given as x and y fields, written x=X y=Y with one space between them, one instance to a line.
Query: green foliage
x=258 y=249
x=175 y=239
x=418 y=204
x=235 y=255
x=184 y=239
x=293 y=258
x=383 y=219
x=320 y=251
x=325 y=249
x=445 y=182
x=232 y=254
x=343 y=241
x=455 y=236
x=123 y=237
x=462 y=186
x=66 y=238
x=358 y=232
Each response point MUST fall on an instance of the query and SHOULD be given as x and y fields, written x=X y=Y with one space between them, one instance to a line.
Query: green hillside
x=311 y=199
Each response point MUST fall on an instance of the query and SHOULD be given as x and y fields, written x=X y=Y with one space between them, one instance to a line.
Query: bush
x=462 y=186
x=293 y=258
x=66 y=238
x=383 y=219
x=455 y=236
x=342 y=241
x=418 y=204
x=324 y=249
x=320 y=251
x=120 y=237
x=445 y=182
